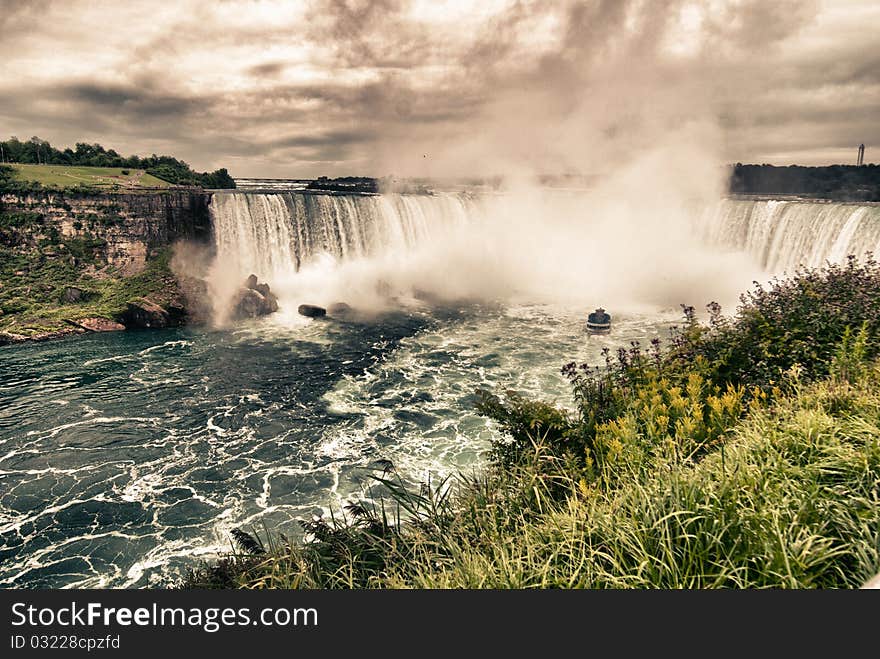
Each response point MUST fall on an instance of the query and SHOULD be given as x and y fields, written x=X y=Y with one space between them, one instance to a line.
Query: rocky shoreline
x=80 y=263
x=253 y=299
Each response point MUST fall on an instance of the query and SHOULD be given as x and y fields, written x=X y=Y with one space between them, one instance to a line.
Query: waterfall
x=270 y=234
x=782 y=235
x=367 y=249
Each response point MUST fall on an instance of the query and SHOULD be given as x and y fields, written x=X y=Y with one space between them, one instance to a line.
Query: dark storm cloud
x=324 y=139
x=95 y=106
x=135 y=102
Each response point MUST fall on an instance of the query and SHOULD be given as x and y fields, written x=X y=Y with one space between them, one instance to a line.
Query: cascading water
x=275 y=234
x=782 y=235
x=528 y=246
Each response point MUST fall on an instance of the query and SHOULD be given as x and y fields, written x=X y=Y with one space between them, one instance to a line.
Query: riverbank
x=742 y=454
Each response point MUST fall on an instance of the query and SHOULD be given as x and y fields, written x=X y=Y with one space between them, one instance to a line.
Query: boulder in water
x=339 y=309
x=311 y=310
x=142 y=313
x=249 y=304
x=254 y=299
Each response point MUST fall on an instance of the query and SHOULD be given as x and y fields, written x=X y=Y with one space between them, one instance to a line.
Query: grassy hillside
x=63 y=176
x=33 y=283
x=167 y=168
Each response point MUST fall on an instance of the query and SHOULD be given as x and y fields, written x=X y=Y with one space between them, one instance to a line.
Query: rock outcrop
x=254 y=299
x=7 y=338
x=142 y=313
x=77 y=256
x=74 y=295
x=129 y=225
x=97 y=325
x=311 y=310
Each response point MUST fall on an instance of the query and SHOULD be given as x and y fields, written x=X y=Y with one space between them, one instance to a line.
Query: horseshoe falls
x=273 y=234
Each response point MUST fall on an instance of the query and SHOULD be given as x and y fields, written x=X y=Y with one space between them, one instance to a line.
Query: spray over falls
x=540 y=246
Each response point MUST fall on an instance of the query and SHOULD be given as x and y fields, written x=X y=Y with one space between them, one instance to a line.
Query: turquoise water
x=125 y=458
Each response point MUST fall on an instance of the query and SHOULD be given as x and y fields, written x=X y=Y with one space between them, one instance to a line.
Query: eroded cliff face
x=130 y=225
x=115 y=249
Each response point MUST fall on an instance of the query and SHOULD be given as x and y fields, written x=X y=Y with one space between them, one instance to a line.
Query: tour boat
x=598 y=328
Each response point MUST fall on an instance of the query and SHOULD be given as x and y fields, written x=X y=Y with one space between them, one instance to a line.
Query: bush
x=83 y=248
x=800 y=320
x=18 y=220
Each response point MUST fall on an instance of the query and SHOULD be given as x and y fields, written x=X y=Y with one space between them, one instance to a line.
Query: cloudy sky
x=300 y=89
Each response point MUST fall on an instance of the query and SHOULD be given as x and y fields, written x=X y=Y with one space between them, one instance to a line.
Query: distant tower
x=861 y=159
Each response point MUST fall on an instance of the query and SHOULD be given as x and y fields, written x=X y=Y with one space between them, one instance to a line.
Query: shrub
x=799 y=320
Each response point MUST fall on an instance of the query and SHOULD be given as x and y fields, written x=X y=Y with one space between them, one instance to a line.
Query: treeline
x=839 y=182
x=37 y=151
x=345 y=184
x=368 y=184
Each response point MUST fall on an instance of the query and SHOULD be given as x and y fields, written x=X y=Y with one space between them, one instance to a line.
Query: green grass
x=63 y=176
x=30 y=298
x=792 y=503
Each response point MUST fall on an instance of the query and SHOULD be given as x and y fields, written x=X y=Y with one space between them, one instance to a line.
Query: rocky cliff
x=113 y=247
x=130 y=224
